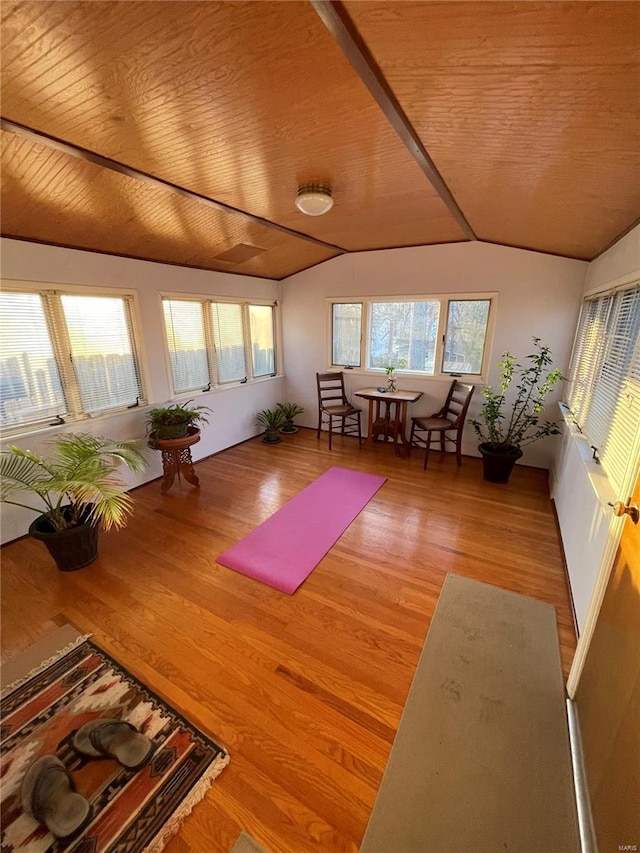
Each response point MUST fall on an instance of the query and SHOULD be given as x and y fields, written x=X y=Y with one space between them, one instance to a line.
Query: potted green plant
x=505 y=424
x=271 y=420
x=174 y=421
x=289 y=412
x=77 y=488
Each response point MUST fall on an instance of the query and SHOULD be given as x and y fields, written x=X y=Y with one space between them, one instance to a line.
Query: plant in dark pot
x=174 y=421
x=271 y=420
x=508 y=422
x=78 y=491
x=289 y=412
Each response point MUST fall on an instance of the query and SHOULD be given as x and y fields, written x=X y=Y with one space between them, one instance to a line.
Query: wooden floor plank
x=306 y=691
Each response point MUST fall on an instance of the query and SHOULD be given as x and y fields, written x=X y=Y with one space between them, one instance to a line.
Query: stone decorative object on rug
x=131 y=810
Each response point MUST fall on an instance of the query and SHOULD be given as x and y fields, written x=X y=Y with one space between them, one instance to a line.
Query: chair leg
x=459 y=448
x=442 y=441
x=426 y=452
x=413 y=429
x=319 y=425
x=359 y=430
x=330 y=429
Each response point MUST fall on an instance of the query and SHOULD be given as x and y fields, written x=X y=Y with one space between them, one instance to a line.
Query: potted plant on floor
x=175 y=421
x=289 y=412
x=271 y=420
x=507 y=424
x=78 y=490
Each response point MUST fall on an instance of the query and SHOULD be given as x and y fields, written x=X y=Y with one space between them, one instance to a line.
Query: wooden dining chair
x=450 y=418
x=333 y=403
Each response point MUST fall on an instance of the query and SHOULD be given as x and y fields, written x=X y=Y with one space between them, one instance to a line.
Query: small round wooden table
x=176 y=458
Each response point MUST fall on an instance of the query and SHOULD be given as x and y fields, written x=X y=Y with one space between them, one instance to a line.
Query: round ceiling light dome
x=314 y=199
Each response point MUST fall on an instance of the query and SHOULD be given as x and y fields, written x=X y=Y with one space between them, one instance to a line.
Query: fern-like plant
x=77 y=483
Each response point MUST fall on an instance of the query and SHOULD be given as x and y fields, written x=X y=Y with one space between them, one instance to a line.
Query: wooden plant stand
x=176 y=458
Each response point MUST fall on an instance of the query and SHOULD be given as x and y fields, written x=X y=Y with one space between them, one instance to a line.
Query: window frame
x=51 y=293
x=444 y=299
x=206 y=301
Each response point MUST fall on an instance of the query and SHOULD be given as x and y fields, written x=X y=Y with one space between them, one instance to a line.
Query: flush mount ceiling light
x=314 y=199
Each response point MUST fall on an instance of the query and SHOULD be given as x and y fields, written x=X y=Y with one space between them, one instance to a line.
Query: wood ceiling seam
x=24 y=132
x=336 y=19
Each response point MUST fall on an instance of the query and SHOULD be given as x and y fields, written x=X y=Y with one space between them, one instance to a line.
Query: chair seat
x=340 y=410
x=434 y=424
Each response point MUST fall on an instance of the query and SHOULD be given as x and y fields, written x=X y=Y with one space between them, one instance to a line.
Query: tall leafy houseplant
x=77 y=489
x=505 y=424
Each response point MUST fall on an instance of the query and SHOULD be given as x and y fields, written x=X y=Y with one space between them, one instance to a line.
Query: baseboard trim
x=583 y=804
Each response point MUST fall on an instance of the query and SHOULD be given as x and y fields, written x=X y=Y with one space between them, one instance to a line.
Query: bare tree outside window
x=465 y=336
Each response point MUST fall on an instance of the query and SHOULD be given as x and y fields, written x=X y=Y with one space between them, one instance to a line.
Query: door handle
x=621 y=508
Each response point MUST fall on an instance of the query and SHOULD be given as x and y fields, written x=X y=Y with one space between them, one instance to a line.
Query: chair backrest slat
x=457 y=402
x=331 y=389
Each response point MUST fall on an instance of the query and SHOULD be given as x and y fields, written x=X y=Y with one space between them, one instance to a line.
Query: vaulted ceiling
x=180 y=131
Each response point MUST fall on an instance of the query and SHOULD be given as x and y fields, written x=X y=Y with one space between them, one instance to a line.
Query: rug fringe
x=186 y=807
x=45 y=664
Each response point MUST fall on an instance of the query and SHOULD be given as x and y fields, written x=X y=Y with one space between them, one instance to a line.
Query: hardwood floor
x=306 y=691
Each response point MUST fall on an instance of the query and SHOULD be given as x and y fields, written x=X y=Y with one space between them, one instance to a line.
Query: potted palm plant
x=507 y=423
x=289 y=412
x=174 y=421
x=78 y=491
x=271 y=420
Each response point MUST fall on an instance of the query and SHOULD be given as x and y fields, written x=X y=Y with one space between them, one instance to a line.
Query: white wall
x=234 y=408
x=538 y=295
x=579 y=486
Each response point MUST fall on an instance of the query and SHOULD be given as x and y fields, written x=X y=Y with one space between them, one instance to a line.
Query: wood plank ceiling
x=177 y=131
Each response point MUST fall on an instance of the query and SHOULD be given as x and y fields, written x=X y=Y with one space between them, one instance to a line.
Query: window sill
x=596 y=473
x=407 y=375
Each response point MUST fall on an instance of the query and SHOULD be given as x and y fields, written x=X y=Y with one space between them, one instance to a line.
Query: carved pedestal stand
x=176 y=458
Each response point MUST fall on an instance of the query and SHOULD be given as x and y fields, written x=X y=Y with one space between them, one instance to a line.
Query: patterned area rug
x=131 y=811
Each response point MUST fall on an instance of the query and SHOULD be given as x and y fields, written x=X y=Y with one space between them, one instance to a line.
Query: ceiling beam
x=115 y=166
x=335 y=18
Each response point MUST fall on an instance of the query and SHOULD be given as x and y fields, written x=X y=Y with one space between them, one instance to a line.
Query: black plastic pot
x=271 y=437
x=165 y=431
x=71 y=549
x=497 y=465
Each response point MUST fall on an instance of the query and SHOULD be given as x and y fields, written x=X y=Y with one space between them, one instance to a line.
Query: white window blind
x=228 y=337
x=66 y=355
x=184 y=323
x=100 y=336
x=604 y=391
x=30 y=386
x=262 y=343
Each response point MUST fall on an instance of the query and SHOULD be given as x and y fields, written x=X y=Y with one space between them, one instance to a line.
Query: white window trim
x=205 y=299
x=444 y=299
x=51 y=288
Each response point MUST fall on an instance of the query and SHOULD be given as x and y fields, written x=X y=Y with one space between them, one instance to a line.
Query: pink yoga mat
x=286 y=548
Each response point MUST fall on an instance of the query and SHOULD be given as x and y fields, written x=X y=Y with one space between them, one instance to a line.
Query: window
x=215 y=343
x=346 y=323
x=435 y=335
x=262 y=344
x=65 y=355
x=604 y=377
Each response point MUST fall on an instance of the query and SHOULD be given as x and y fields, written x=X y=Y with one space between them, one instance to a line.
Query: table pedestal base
x=177 y=462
